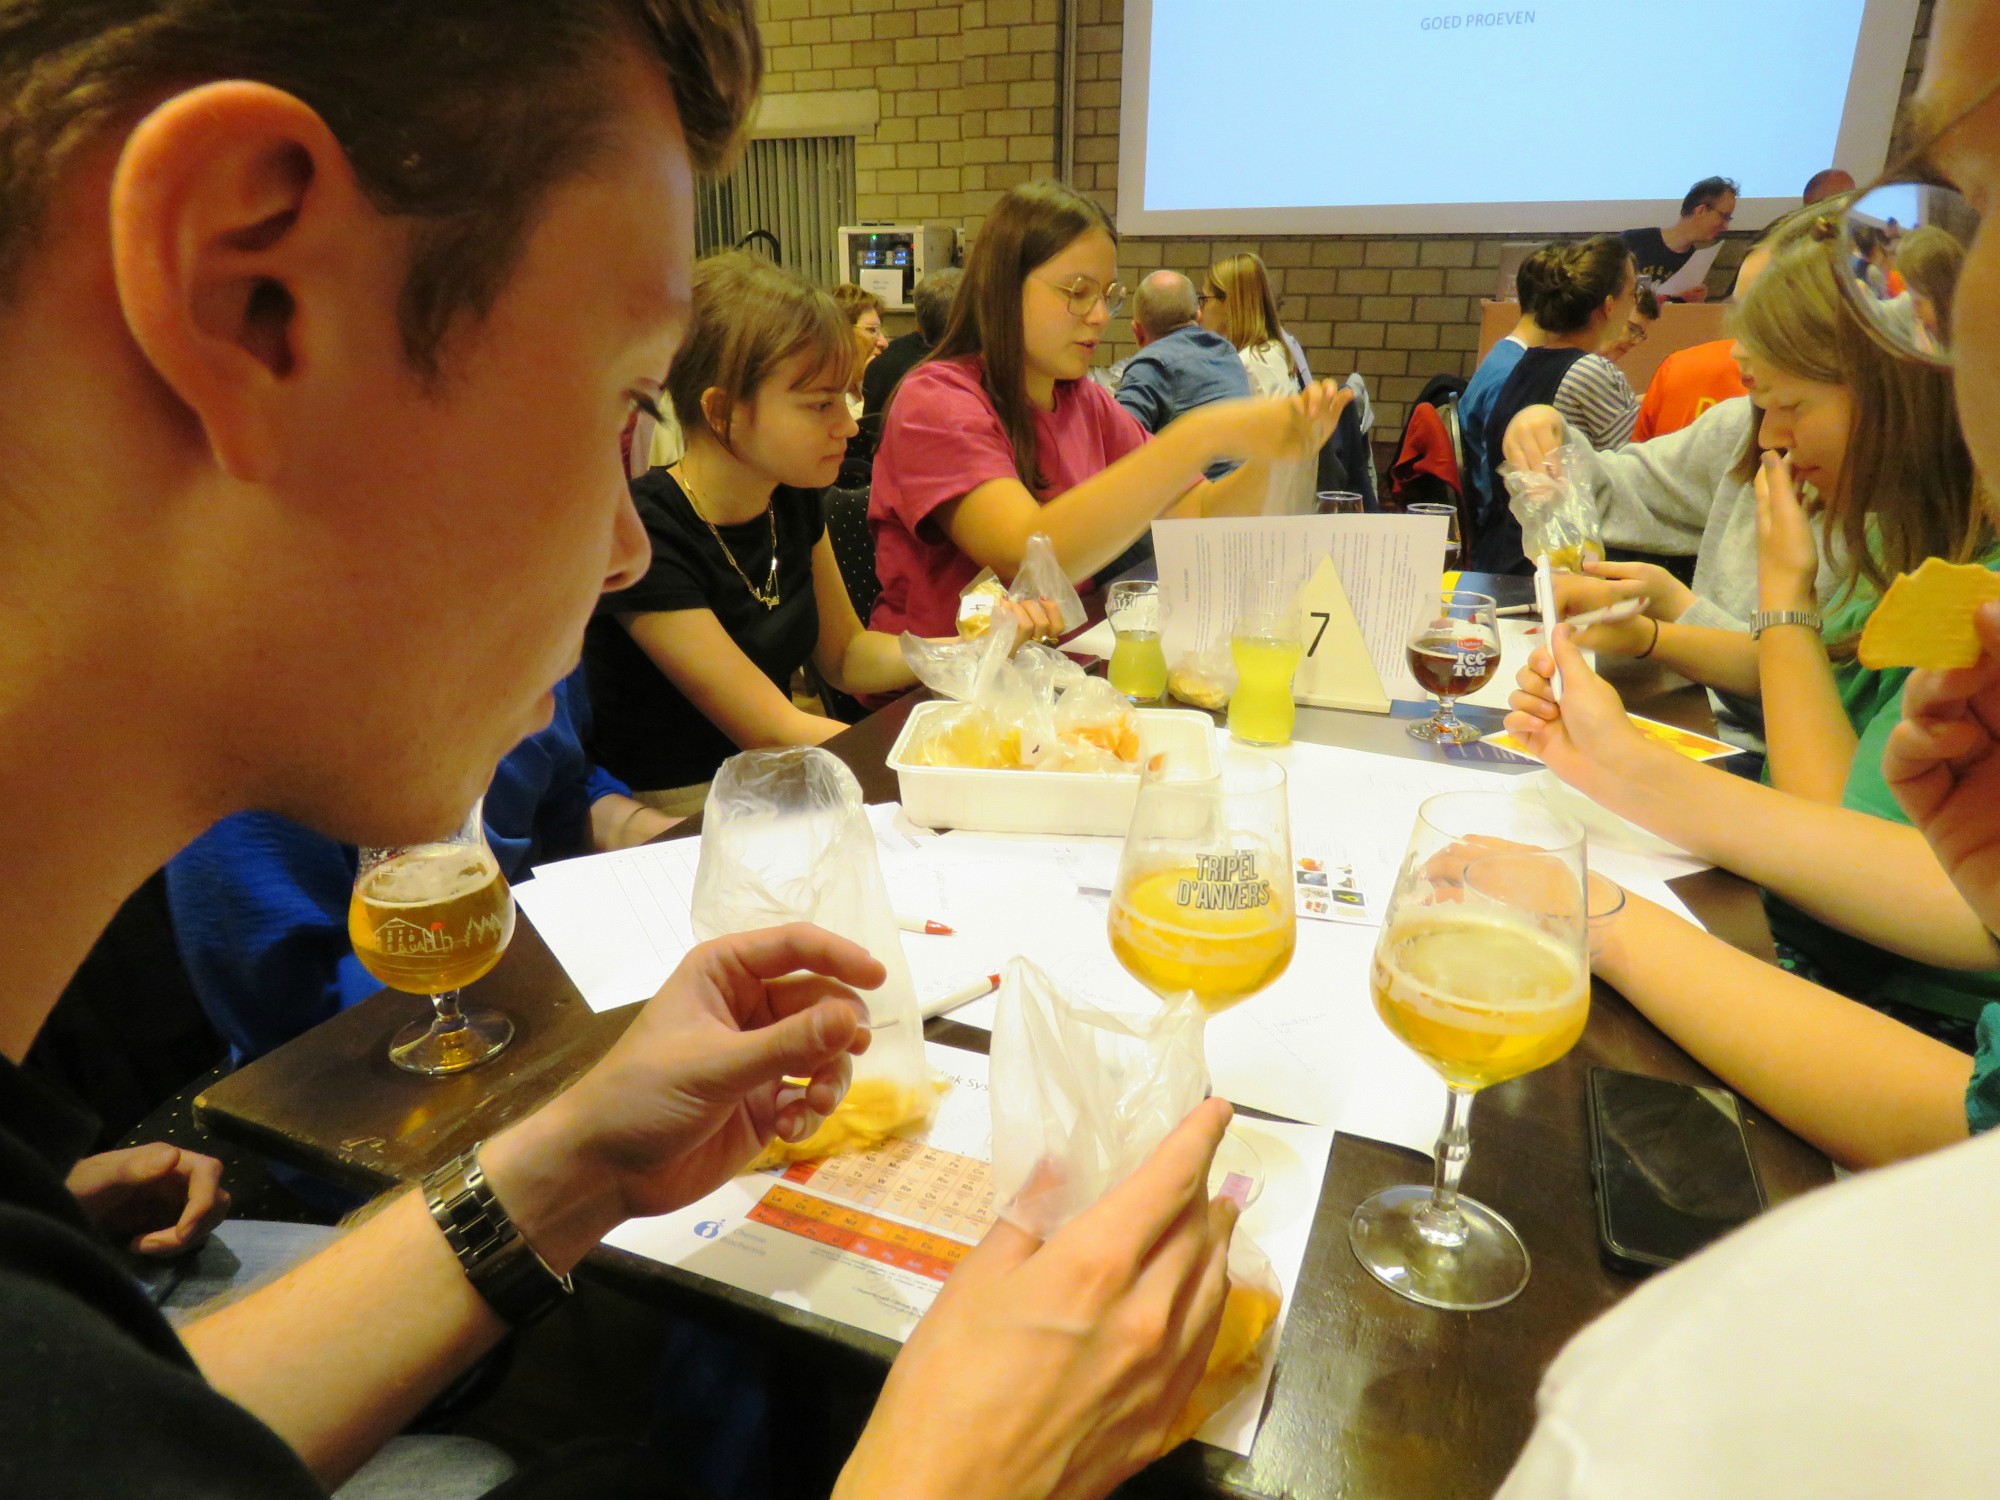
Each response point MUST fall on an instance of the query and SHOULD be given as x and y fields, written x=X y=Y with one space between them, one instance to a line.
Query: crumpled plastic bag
x=785 y=838
x=1205 y=676
x=1028 y=709
x=1040 y=576
x=1082 y=1094
x=1557 y=515
x=1245 y=1342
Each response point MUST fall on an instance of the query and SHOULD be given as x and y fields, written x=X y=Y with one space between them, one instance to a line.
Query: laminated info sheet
x=1389 y=566
x=868 y=1240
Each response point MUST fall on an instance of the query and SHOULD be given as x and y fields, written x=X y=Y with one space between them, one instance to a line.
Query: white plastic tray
x=1038 y=801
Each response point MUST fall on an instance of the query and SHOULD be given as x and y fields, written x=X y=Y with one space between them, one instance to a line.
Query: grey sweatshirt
x=1676 y=495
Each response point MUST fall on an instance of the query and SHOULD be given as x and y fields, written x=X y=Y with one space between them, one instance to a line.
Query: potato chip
x=1925 y=620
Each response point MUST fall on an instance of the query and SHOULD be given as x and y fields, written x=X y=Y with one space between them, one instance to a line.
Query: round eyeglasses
x=1901 y=246
x=1084 y=294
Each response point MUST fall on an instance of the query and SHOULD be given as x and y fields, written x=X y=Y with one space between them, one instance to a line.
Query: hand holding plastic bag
x=1082 y=1094
x=1040 y=581
x=1557 y=515
x=1030 y=708
x=785 y=838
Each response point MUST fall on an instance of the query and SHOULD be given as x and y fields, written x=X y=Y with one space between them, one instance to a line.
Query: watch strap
x=502 y=1267
x=1764 y=619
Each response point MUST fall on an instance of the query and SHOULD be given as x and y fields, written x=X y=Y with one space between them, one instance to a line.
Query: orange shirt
x=1687 y=384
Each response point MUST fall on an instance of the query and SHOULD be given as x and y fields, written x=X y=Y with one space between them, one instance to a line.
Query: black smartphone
x=1670 y=1167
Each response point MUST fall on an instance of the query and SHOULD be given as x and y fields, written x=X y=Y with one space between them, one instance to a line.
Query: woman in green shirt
x=1857 y=898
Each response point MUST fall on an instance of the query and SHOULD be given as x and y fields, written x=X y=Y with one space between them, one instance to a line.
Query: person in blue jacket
x=260 y=903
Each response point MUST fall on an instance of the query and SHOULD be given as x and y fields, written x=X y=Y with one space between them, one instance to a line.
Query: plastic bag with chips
x=1029 y=709
x=1206 y=676
x=1082 y=1094
x=1557 y=515
x=1040 y=576
x=785 y=838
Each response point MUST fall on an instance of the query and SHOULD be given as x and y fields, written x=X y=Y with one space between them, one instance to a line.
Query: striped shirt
x=1595 y=399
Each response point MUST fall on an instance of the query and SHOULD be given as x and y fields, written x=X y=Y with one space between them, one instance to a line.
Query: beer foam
x=427 y=876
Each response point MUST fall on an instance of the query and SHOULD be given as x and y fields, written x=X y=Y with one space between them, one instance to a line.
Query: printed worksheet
x=868 y=1240
x=1389 y=566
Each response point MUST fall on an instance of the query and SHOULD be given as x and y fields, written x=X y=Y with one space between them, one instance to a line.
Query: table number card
x=1336 y=670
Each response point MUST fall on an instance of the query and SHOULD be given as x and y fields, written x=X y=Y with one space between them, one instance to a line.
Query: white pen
x=1610 y=614
x=960 y=997
x=1545 y=602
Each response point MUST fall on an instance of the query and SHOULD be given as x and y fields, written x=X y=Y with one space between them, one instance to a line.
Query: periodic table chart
x=866 y=1239
x=910 y=1204
x=869 y=1239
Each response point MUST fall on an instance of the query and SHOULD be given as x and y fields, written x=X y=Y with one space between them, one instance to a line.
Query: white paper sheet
x=1390 y=567
x=870 y=1248
x=619 y=923
x=1691 y=275
x=886 y=283
x=1309 y=1048
x=1097 y=641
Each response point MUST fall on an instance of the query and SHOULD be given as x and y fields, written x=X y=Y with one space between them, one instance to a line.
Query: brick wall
x=970 y=106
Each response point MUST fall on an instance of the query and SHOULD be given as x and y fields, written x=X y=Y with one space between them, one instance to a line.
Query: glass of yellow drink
x=429 y=919
x=1266 y=647
x=1483 y=971
x=1138 y=619
x=1201 y=913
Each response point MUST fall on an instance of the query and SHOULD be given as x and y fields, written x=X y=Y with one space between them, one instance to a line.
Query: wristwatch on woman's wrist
x=1764 y=619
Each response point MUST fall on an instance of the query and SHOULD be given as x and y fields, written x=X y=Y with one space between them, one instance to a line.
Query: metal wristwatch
x=1764 y=619
x=502 y=1267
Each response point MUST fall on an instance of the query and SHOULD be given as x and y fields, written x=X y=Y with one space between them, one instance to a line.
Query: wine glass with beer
x=1201 y=913
x=428 y=919
x=1455 y=651
x=1483 y=971
x=1450 y=515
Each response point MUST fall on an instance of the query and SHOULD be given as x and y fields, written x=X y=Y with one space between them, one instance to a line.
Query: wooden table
x=1374 y=1396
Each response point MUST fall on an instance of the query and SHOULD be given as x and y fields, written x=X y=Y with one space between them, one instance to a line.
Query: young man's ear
x=714 y=407
x=235 y=221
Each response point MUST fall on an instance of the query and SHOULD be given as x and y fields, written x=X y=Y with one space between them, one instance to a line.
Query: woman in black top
x=695 y=661
x=1583 y=300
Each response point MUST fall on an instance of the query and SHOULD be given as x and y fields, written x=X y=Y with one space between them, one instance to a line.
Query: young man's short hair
x=459 y=114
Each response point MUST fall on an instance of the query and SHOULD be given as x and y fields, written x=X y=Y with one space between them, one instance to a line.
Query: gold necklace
x=767 y=596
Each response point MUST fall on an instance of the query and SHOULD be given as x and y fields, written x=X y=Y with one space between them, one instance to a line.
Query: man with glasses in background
x=1840 y=1346
x=1674 y=261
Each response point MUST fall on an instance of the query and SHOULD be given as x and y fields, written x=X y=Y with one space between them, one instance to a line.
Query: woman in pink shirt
x=998 y=435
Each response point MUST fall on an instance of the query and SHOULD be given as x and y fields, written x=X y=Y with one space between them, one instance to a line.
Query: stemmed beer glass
x=1455 y=651
x=1483 y=971
x=1201 y=913
x=429 y=919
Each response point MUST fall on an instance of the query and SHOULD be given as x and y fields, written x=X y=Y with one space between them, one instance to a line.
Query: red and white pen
x=960 y=997
x=925 y=926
